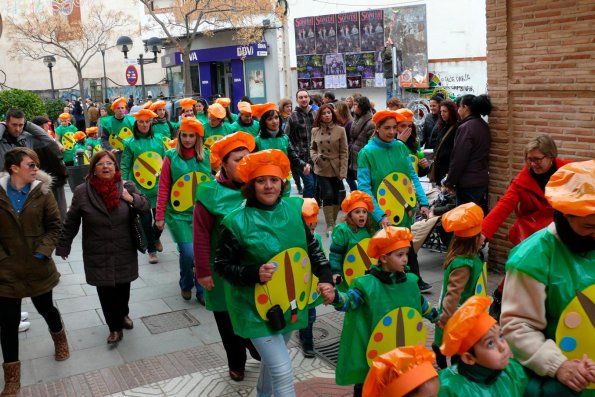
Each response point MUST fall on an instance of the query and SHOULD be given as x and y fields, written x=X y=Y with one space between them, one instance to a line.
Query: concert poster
x=305 y=37
x=348 y=38
x=326 y=34
x=372 y=30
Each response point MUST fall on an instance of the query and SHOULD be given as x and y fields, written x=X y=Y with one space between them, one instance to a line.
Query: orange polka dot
x=262 y=299
x=382 y=201
x=142 y=180
x=372 y=354
x=378 y=336
x=388 y=212
x=177 y=193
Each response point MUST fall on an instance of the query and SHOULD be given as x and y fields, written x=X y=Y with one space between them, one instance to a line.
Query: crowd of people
x=249 y=249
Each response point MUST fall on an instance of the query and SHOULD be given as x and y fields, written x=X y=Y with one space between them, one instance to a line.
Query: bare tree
x=38 y=34
x=184 y=20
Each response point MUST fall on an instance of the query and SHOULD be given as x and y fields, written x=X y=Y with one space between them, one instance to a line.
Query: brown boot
x=328 y=217
x=60 y=344
x=12 y=379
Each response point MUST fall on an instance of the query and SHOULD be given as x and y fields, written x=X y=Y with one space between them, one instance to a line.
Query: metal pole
x=52 y=81
x=104 y=84
x=142 y=75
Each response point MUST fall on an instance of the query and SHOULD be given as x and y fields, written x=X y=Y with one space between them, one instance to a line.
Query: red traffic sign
x=131 y=75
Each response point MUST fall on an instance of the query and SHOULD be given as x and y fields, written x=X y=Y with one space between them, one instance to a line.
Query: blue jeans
x=187 y=279
x=309 y=184
x=276 y=372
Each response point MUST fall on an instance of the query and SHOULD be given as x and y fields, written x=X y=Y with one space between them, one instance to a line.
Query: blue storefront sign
x=217 y=54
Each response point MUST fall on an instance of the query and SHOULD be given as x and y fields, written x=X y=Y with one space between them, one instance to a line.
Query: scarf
x=478 y=373
x=108 y=190
x=188 y=153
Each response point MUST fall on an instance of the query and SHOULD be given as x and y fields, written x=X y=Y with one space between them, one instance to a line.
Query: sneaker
x=424 y=287
x=24 y=326
x=187 y=295
x=201 y=300
x=24 y=316
x=308 y=352
x=153 y=258
x=158 y=246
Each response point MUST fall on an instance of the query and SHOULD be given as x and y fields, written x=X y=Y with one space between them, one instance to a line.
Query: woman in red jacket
x=526 y=197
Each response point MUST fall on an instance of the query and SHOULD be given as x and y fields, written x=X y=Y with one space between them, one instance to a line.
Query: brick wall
x=541 y=78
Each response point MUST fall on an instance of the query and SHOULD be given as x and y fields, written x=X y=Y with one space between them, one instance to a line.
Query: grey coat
x=109 y=254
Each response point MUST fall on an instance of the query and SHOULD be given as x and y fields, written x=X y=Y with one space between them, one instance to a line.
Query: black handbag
x=139 y=237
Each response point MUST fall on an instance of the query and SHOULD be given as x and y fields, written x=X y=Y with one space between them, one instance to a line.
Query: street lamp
x=153 y=45
x=103 y=48
x=50 y=62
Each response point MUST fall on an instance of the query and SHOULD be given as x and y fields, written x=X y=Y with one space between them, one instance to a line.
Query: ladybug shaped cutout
x=68 y=140
x=576 y=327
x=117 y=141
x=147 y=168
x=356 y=261
x=290 y=286
x=403 y=326
x=183 y=191
x=396 y=197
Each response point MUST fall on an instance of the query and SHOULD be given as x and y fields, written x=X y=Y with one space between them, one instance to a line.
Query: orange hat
x=191 y=124
x=399 y=371
x=144 y=114
x=158 y=105
x=383 y=114
x=223 y=101
x=571 y=190
x=270 y=162
x=310 y=210
x=172 y=143
x=357 y=199
x=147 y=105
x=389 y=239
x=118 y=102
x=187 y=103
x=228 y=143
x=217 y=110
x=64 y=116
x=469 y=323
x=404 y=115
x=244 y=107
x=91 y=130
x=260 y=109
x=464 y=220
x=79 y=135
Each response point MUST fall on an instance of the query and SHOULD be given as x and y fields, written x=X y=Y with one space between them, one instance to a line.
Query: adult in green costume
x=268 y=271
x=215 y=128
x=184 y=169
x=216 y=199
x=117 y=128
x=141 y=162
x=245 y=122
x=200 y=110
x=548 y=309
x=385 y=173
x=65 y=135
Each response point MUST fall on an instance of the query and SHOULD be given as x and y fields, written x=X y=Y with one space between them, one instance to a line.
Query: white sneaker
x=24 y=316
x=24 y=326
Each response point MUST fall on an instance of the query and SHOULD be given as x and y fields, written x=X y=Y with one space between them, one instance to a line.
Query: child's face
x=395 y=261
x=359 y=216
x=312 y=227
x=64 y=123
x=491 y=351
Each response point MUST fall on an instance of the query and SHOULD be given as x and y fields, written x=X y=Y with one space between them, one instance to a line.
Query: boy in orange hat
x=230 y=117
x=81 y=146
x=245 y=121
x=463 y=267
x=350 y=239
x=485 y=367
x=65 y=135
x=216 y=128
x=403 y=372
x=383 y=303
x=115 y=129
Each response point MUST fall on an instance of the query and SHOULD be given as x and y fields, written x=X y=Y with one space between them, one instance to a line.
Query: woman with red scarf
x=109 y=254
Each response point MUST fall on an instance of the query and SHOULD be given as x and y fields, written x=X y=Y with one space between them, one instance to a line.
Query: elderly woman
x=386 y=173
x=184 y=168
x=548 y=305
x=141 y=163
x=267 y=271
x=103 y=204
x=30 y=230
x=216 y=199
x=526 y=197
x=329 y=152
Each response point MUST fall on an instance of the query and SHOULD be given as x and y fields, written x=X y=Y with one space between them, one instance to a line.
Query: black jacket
x=469 y=159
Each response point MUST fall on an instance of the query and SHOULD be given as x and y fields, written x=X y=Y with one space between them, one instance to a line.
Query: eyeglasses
x=32 y=166
x=105 y=164
x=535 y=160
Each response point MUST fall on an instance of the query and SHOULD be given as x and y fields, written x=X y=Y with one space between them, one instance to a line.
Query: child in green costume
x=350 y=239
x=384 y=308
x=65 y=135
x=81 y=146
x=485 y=367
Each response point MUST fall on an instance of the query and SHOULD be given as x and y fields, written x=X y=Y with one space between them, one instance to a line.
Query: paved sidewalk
x=184 y=362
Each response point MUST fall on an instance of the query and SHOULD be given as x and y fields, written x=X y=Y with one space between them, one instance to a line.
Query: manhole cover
x=326 y=340
x=329 y=353
x=165 y=322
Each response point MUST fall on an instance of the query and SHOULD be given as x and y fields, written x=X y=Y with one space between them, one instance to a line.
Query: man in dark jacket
x=387 y=64
x=299 y=130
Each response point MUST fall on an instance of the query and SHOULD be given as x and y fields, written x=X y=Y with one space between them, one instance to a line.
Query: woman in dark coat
x=30 y=230
x=362 y=130
x=109 y=254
